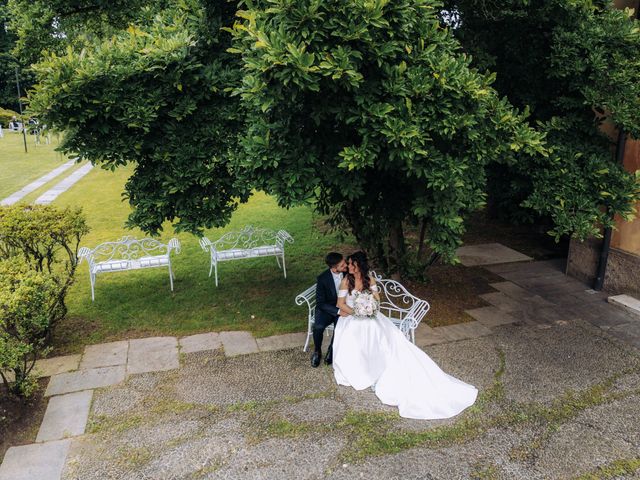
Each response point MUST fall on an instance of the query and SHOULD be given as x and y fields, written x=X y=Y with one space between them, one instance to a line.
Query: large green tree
x=369 y=110
x=576 y=66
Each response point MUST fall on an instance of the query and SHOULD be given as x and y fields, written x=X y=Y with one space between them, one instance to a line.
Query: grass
x=253 y=294
x=615 y=469
x=17 y=168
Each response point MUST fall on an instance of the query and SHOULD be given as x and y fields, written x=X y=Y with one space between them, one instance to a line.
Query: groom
x=326 y=298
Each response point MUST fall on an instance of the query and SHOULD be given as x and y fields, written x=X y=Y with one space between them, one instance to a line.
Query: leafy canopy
x=368 y=109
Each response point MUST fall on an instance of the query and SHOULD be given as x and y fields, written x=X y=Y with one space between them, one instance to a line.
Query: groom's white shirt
x=337 y=278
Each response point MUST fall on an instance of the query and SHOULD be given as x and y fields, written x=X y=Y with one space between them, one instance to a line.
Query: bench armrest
x=307 y=297
x=85 y=254
x=283 y=236
x=205 y=243
x=174 y=244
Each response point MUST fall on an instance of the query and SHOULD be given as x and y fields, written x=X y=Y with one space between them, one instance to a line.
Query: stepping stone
x=626 y=302
x=238 y=343
x=39 y=461
x=105 y=355
x=53 y=366
x=85 y=380
x=155 y=354
x=491 y=316
x=488 y=254
x=66 y=416
x=200 y=342
x=464 y=331
x=281 y=342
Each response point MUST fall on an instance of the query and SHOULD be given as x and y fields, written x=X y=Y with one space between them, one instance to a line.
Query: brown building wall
x=627 y=235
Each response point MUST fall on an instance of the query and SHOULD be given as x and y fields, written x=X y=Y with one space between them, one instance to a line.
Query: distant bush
x=6 y=116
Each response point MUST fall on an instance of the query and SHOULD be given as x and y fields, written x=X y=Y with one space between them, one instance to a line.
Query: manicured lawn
x=253 y=295
x=17 y=168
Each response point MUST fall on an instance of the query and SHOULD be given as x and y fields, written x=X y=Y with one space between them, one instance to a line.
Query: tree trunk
x=423 y=231
x=397 y=249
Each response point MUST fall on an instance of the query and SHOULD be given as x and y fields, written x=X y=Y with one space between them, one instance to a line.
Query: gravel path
x=557 y=401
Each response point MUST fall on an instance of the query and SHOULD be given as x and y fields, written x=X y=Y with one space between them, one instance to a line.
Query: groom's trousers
x=318 y=331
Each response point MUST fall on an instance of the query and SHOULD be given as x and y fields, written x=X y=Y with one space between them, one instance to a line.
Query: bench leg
x=284 y=267
x=309 y=335
x=215 y=267
x=92 y=278
x=211 y=267
x=278 y=261
x=170 y=276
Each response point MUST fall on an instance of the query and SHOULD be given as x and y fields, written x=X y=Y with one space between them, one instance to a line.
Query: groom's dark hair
x=333 y=258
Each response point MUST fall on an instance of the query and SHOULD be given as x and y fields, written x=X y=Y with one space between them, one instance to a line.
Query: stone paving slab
x=427 y=336
x=502 y=301
x=64 y=185
x=53 y=366
x=23 y=192
x=626 y=302
x=463 y=331
x=105 y=355
x=489 y=253
x=47 y=367
x=85 y=380
x=238 y=343
x=281 y=342
x=40 y=461
x=154 y=354
x=491 y=316
x=66 y=416
x=200 y=342
x=511 y=289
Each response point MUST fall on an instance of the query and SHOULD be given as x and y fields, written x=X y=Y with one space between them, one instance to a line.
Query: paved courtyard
x=557 y=367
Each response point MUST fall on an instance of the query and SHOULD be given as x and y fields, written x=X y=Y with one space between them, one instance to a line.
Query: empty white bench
x=250 y=242
x=406 y=311
x=126 y=254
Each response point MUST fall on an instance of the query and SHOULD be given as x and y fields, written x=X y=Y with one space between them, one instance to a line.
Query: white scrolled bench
x=406 y=311
x=126 y=254
x=250 y=242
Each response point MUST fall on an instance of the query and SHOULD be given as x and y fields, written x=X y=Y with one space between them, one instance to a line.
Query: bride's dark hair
x=360 y=259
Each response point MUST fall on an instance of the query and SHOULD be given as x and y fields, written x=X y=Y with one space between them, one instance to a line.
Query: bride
x=373 y=352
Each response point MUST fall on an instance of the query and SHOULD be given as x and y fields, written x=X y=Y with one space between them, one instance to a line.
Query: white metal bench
x=250 y=242
x=406 y=311
x=128 y=253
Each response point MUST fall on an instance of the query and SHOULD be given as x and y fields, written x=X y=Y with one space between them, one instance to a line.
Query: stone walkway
x=64 y=185
x=23 y=192
x=535 y=317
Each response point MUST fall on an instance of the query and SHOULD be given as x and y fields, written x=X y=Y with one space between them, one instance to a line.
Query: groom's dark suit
x=326 y=310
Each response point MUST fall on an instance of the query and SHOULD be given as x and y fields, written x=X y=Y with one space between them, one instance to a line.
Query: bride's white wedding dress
x=374 y=352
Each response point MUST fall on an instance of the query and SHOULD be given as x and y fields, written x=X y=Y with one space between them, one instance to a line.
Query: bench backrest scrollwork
x=247 y=238
x=128 y=248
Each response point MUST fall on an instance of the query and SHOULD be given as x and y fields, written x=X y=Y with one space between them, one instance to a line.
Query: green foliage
x=157 y=95
x=370 y=110
x=47 y=239
x=26 y=296
x=576 y=66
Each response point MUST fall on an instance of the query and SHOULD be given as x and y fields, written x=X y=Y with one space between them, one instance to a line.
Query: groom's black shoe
x=328 y=358
x=315 y=359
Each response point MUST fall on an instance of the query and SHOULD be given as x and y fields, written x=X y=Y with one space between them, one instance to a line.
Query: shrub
x=26 y=297
x=47 y=239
